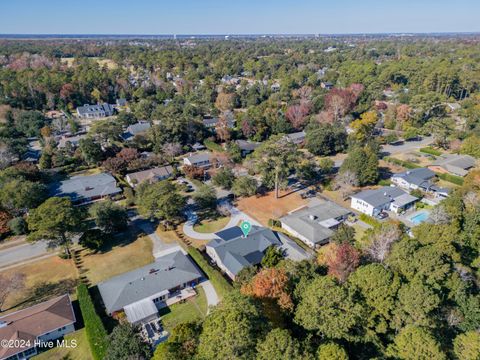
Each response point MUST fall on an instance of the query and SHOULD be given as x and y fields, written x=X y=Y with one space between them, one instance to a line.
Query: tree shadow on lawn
x=117 y=240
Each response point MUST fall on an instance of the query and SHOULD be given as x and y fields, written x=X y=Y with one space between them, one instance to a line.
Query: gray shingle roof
x=380 y=196
x=419 y=177
x=198 y=158
x=95 y=109
x=308 y=221
x=151 y=175
x=247 y=145
x=167 y=272
x=456 y=164
x=136 y=129
x=239 y=252
x=85 y=187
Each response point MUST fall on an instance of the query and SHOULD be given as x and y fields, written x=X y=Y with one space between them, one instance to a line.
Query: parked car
x=382 y=215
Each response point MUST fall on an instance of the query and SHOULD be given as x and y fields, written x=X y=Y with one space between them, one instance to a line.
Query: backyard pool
x=419 y=217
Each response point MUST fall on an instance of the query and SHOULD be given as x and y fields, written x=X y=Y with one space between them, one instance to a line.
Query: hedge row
x=457 y=180
x=405 y=164
x=431 y=151
x=94 y=329
x=220 y=284
x=369 y=220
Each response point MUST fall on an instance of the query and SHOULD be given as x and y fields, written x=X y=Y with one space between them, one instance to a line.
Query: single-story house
x=136 y=129
x=95 y=111
x=73 y=140
x=458 y=165
x=296 y=138
x=247 y=147
x=315 y=225
x=44 y=322
x=387 y=198
x=84 y=189
x=326 y=85
x=232 y=252
x=142 y=292
x=150 y=175
x=211 y=123
x=122 y=102
x=199 y=160
x=197 y=146
x=419 y=179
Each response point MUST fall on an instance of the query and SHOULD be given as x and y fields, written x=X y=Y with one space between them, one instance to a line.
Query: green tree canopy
x=160 y=200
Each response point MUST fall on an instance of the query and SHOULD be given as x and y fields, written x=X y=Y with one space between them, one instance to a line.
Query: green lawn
x=81 y=352
x=192 y=309
x=211 y=226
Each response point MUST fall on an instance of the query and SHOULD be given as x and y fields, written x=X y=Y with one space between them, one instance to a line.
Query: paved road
x=23 y=252
x=235 y=217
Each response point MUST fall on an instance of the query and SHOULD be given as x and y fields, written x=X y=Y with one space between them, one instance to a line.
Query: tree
x=345 y=181
x=224 y=178
x=467 y=346
x=325 y=139
x=342 y=260
x=232 y=328
x=244 y=186
x=90 y=150
x=125 y=343
x=29 y=123
x=275 y=159
x=126 y=118
x=222 y=129
x=382 y=241
x=115 y=165
x=363 y=162
x=225 y=101
x=193 y=172
x=270 y=284
x=327 y=308
x=18 y=225
x=55 y=221
x=415 y=343
x=205 y=197
x=439 y=215
x=181 y=344
x=331 y=351
x=343 y=235
x=272 y=257
x=296 y=114
x=20 y=195
x=471 y=146
x=364 y=127
x=160 y=200
x=4 y=221
x=109 y=216
x=10 y=284
x=279 y=345
x=93 y=239
x=339 y=102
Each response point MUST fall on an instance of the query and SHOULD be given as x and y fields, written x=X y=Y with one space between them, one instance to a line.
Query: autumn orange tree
x=342 y=260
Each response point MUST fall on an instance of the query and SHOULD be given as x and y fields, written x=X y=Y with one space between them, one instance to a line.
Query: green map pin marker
x=245 y=226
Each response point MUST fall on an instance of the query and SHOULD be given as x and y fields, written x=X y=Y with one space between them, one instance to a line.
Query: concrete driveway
x=211 y=294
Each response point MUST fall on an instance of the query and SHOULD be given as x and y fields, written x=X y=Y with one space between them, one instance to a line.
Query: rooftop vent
x=312 y=217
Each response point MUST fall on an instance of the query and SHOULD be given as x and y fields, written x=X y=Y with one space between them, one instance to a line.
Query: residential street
x=23 y=252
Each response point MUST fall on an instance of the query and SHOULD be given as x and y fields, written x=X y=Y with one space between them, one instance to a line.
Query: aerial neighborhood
x=200 y=198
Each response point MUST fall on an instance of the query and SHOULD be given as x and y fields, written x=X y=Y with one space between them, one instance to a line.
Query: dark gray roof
x=84 y=187
x=380 y=196
x=456 y=164
x=197 y=158
x=247 y=145
x=419 y=177
x=94 y=109
x=239 y=252
x=167 y=272
x=136 y=129
x=230 y=233
x=212 y=122
x=296 y=137
x=311 y=222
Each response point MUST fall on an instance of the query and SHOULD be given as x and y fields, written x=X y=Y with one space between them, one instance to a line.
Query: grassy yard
x=192 y=309
x=44 y=279
x=81 y=352
x=127 y=252
x=211 y=226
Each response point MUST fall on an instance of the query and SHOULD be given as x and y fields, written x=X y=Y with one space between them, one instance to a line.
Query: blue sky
x=236 y=16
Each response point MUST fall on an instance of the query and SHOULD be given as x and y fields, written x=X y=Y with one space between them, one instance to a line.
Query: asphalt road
x=22 y=252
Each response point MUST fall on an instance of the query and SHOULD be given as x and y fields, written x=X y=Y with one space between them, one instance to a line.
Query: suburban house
x=419 y=179
x=232 y=252
x=73 y=140
x=387 y=198
x=84 y=189
x=197 y=147
x=199 y=160
x=315 y=225
x=121 y=103
x=247 y=147
x=211 y=123
x=296 y=138
x=95 y=111
x=141 y=293
x=458 y=165
x=47 y=321
x=136 y=129
x=150 y=175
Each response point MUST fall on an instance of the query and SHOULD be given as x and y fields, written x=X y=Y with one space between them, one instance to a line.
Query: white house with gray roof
x=95 y=111
x=419 y=179
x=200 y=160
x=315 y=225
x=84 y=189
x=151 y=175
x=142 y=292
x=387 y=198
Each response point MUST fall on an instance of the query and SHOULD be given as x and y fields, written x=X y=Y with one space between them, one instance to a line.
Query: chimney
x=312 y=217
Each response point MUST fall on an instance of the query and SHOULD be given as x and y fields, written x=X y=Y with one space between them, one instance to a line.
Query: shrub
x=18 y=225
x=274 y=223
x=385 y=182
x=94 y=329
x=212 y=146
x=369 y=220
x=219 y=282
x=431 y=151
x=457 y=180
x=405 y=164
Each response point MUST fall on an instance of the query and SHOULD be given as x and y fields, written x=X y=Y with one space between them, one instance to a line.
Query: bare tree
x=171 y=150
x=382 y=242
x=6 y=157
x=9 y=284
x=471 y=199
x=439 y=216
x=345 y=182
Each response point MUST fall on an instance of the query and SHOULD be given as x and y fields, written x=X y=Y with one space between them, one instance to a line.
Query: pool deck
x=406 y=217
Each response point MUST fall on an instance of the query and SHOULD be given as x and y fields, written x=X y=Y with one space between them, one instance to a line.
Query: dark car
x=382 y=215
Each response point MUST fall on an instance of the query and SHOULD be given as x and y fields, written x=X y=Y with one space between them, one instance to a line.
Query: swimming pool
x=419 y=217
